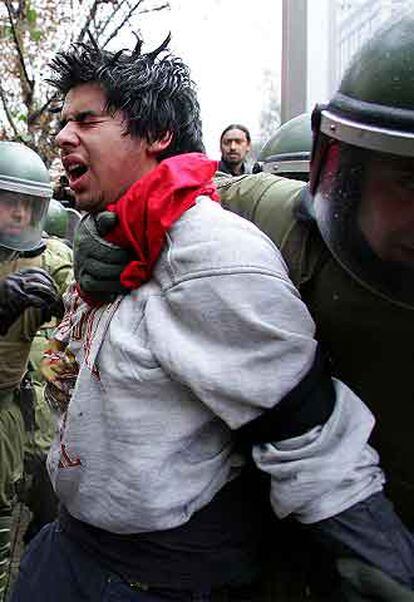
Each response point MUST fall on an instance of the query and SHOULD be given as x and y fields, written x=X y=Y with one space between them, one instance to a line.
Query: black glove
x=372 y=534
x=98 y=263
x=30 y=287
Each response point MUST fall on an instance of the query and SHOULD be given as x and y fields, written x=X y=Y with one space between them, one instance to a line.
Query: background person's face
x=100 y=160
x=386 y=215
x=234 y=147
x=15 y=214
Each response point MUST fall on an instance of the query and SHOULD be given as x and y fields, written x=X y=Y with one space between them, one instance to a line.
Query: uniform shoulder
x=267 y=200
x=57 y=249
x=58 y=261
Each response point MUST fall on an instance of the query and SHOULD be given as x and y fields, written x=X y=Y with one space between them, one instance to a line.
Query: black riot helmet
x=362 y=165
x=288 y=151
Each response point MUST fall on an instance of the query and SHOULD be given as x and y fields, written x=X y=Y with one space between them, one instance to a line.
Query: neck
x=236 y=169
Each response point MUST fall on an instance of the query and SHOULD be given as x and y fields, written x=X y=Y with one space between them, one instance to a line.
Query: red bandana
x=150 y=207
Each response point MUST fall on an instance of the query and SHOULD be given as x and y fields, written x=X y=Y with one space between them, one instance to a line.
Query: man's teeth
x=76 y=169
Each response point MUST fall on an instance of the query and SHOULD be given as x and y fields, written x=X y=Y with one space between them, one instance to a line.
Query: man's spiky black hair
x=154 y=91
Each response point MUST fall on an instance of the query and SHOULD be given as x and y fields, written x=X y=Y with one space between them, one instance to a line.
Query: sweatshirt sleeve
x=326 y=470
x=241 y=340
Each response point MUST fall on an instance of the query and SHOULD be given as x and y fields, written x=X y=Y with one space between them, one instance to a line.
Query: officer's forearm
x=7 y=320
x=370 y=530
x=329 y=478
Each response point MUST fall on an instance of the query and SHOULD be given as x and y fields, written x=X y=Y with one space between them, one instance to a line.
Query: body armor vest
x=369 y=342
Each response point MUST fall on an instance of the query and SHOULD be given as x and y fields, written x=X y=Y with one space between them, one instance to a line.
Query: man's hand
x=30 y=287
x=362 y=582
x=98 y=264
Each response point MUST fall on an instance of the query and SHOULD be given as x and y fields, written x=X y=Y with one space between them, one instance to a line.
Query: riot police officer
x=57 y=259
x=61 y=221
x=287 y=153
x=354 y=235
x=349 y=240
x=33 y=274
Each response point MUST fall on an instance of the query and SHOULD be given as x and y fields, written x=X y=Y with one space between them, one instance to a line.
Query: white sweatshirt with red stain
x=168 y=373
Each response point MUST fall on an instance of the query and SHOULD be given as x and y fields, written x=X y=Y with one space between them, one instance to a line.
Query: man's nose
x=67 y=137
x=18 y=209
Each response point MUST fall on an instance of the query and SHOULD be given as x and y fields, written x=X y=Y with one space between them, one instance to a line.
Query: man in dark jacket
x=234 y=146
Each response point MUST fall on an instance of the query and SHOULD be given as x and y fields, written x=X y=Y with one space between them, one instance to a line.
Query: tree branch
x=29 y=82
x=7 y=112
x=109 y=18
x=34 y=116
x=90 y=17
x=129 y=15
x=153 y=10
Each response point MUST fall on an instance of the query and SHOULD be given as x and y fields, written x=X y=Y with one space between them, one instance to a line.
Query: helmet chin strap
x=8 y=254
x=12 y=255
x=34 y=252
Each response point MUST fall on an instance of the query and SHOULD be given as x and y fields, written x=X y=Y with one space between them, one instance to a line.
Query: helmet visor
x=364 y=206
x=22 y=217
x=289 y=165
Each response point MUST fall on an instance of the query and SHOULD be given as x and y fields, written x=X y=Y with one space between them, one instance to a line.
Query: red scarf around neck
x=151 y=206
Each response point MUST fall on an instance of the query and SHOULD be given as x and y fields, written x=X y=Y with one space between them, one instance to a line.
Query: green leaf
x=31 y=16
x=7 y=31
x=22 y=117
x=36 y=35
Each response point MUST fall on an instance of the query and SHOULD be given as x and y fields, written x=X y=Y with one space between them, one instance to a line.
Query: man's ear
x=156 y=147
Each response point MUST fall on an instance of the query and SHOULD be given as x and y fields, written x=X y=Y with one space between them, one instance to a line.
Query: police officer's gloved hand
x=367 y=535
x=98 y=264
x=30 y=287
x=54 y=310
x=361 y=582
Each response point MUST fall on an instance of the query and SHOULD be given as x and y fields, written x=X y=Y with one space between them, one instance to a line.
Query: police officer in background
x=57 y=259
x=61 y=221
x=62 y=192
x=287 y=153
x=33 y=274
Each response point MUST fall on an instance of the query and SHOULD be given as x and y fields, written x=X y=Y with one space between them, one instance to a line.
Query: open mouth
x=76 y=171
